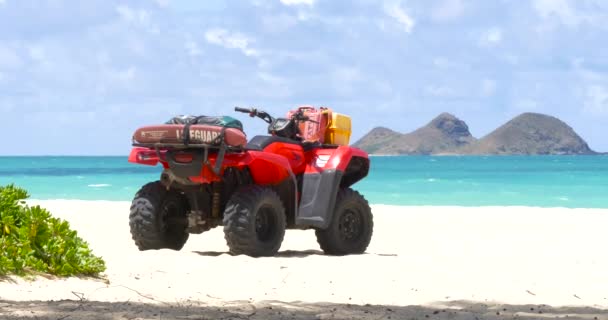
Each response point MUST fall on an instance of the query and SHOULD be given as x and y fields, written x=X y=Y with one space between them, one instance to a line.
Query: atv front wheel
x=351 y=227
x=254 y=222
x=158 y=218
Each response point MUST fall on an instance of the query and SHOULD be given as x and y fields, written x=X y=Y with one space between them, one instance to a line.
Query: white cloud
x=448 y=10
x=596 y=100
x=162 y=3
x=306 y=15
x=571 y=13
x=126 y=75
x=511 y=58
x=37 y=53
x=112 y=79
x=491 y=37
x=278 y=23
x=488 y=87
x=439 y=91
x=193 y=49
x=559 y=9
x=344 y=79
x=2 y=2
x=396 y=12
x=525 y=105
x=9 y=59
x=347 y=74
x=441 y=62
x=270 y=78
x=298 y=2
x=588 y=74
x=226 y=39
x=132 y=15
x=577 y=63
x=137 y=17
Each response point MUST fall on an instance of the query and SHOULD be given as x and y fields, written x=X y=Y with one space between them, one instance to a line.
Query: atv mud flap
x=319 y=191
x=200 y=158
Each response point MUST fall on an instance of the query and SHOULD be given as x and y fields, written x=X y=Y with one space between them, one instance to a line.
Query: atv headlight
x=322 y=160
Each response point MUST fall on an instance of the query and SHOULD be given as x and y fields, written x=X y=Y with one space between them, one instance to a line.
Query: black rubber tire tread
x=329 y=239
x=145 y=220
x=240 y=221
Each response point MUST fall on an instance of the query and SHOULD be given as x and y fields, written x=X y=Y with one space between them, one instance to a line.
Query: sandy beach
x=423 y=262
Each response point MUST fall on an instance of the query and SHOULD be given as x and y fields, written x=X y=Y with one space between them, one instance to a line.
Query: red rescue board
x=199 y=134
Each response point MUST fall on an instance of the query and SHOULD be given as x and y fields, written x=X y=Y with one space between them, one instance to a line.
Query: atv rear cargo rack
x=200 y=156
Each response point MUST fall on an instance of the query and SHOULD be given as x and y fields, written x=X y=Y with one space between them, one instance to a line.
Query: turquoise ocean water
x=546 y=181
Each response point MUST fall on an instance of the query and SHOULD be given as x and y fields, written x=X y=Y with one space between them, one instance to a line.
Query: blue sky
x=77 y=77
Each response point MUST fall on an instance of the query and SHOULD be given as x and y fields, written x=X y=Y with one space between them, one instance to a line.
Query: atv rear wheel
x=351 y=227
x=254 y=222
x=158 y=218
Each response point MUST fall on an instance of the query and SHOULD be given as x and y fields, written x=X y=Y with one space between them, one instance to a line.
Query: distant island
x=526 y=134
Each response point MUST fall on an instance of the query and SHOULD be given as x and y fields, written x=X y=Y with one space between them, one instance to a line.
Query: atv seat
x=259 y=143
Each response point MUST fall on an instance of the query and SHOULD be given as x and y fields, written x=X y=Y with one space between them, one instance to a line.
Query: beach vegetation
x=33 y=241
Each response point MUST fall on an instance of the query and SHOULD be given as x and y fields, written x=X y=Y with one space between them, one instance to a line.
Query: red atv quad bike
x=256 y=190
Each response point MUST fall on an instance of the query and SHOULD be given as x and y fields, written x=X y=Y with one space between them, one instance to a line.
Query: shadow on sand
x=281 y=310
x=281 y=254
x=288 y=253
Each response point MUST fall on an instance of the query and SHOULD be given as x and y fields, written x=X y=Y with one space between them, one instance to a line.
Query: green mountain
x=528 y=133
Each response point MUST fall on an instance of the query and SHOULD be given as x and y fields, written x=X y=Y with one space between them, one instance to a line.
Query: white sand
x=425 y=256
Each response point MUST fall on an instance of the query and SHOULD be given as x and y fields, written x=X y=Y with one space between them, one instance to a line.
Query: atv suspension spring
x=215 y=205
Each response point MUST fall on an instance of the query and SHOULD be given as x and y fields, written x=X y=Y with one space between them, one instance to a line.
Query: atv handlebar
x=253 y=112
x=243 y=110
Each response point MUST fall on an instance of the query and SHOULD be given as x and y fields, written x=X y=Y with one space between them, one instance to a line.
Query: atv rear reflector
x=146 y=156
x=183 y=157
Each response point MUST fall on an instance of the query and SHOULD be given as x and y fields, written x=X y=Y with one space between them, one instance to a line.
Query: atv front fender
x=267 y=168
x=328 y=171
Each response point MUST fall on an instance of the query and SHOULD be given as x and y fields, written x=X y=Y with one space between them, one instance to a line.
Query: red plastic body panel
x=145 y=156
x=266 y=168
x=293 y=153
x=276 y=163
x=339 y=158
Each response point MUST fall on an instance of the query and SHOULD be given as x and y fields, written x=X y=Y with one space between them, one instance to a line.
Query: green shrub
x=31 y=240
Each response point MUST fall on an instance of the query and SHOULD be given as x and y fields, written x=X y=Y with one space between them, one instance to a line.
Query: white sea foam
x=99 y=185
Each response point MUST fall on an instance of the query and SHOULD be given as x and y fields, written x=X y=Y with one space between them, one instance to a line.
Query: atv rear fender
x=146 y=156
x=327 y=172
x=266 y=168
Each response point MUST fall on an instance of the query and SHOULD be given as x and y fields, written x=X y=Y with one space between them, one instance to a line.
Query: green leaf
x=31 y=239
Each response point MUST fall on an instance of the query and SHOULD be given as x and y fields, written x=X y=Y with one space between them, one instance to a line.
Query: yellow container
x=338 y=130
